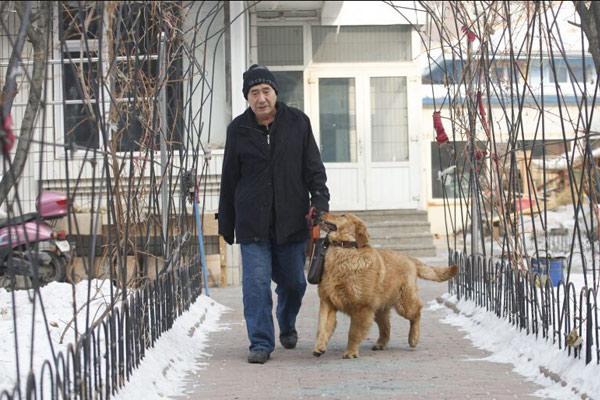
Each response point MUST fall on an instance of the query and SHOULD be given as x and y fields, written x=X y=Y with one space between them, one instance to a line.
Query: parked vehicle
x=29 y=245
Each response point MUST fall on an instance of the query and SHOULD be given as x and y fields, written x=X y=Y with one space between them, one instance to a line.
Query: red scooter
x=30 y=247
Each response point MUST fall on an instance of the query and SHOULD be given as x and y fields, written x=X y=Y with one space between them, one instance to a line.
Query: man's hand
x=313 y=215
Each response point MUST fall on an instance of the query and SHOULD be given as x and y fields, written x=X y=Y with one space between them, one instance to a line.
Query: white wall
x=202 y=24
x=239 y=56
x=371 y=13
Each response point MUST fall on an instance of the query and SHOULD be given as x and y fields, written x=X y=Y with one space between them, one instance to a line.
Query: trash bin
x=555 y=270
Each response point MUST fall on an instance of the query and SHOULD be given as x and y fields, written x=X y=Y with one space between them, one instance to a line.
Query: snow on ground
x=161 y=371
x=56 y=301
x=175 y=354
x=525 y=352
x=506 y=343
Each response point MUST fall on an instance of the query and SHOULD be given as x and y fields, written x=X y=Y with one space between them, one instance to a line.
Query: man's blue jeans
x=284 y=264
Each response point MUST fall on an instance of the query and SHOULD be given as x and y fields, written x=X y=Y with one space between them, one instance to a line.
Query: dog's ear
x=362 y=236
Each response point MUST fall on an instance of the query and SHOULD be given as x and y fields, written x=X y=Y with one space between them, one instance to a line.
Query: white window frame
x=59 y=101
x=59 y=115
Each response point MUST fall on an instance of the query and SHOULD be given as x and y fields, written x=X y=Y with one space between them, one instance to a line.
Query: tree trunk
x=9 y=92
x=36 y=35
x=590 y=23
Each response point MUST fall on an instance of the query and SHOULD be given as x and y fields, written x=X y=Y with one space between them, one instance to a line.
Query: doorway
x=362 y=121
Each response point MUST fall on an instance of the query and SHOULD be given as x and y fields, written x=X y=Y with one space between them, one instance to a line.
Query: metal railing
x=104 y=357
x=560 y=314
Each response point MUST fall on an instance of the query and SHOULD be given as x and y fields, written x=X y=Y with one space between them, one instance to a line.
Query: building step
x=414 y=238
x=407 y=231
x=413 y=250
x=403 y=211
x=395 y=228
x=391 y=215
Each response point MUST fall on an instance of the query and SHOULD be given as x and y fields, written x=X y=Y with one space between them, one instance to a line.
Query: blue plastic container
x=538 y=265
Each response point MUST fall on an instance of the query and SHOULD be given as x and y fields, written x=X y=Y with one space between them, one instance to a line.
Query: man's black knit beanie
x=255 y=75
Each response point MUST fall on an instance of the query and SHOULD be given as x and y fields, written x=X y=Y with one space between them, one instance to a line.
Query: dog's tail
x=438 y=274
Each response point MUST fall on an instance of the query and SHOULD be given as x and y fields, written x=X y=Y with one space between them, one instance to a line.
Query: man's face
x=262 y=99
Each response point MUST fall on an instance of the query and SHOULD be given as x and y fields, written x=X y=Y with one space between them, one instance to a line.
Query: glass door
x=391 y=163
x=335 y=121
x=362 y=121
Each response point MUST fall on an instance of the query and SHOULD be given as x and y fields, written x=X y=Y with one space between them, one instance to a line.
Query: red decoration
x=479 y=155
x=441 y=136
x=6 y=134
x=470 y=35
x=482 y=114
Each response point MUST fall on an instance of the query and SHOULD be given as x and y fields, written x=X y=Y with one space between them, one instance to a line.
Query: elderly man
x=272 y=174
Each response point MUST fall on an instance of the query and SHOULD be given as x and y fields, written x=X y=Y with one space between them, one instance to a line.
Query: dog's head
x=345 y=228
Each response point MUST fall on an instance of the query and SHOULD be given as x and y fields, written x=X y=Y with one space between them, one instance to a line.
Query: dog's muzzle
x=327 y=226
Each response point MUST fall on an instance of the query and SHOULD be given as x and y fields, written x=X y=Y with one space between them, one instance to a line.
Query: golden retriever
x=366 y=283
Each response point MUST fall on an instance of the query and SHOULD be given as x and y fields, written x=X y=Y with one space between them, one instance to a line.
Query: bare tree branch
x=36 y=35
x=8 y=92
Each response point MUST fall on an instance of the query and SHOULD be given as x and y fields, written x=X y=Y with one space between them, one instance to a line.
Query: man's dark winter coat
x=254 y=177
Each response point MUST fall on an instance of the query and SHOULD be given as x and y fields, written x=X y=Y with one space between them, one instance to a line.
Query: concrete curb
x=543 y=370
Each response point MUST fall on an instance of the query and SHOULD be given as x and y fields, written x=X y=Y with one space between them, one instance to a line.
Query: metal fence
x=106 y=354
x=560 y=313
x=513 y=89
x=112 y=106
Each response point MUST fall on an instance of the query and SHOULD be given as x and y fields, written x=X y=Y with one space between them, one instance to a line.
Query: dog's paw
x=318 y=353
x=413 y=340
x=350 y=354
x=378 y=346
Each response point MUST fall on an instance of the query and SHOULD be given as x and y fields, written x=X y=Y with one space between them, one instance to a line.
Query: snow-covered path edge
x=534 y=358
x=175 y=354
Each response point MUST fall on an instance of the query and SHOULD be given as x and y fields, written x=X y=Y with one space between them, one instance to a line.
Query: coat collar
x=280 y=129
x=251 y=117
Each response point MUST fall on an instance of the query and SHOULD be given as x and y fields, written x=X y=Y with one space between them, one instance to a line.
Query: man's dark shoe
x=258 y=357
x=289 y=340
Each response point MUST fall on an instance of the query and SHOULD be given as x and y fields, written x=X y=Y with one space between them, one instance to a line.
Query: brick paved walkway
x=443 y=366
